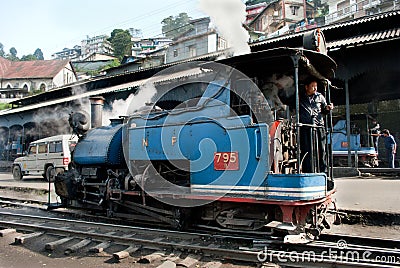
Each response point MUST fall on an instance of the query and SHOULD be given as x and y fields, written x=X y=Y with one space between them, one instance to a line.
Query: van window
x=55 y=147
x=32 y=149
x=42 y=148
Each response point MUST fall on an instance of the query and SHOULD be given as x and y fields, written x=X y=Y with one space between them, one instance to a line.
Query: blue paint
x=100 y=146
x=197 y=133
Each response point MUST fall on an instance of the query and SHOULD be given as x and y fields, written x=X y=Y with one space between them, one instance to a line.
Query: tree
x=4 y=106
x=112 y=64
x=28 y=57
x=172 y=27
x=13 y=54
x=321 y=9
x=121 y=43
x=1 y=50
x=114 y=33
x=13 y=51
x=38 y=54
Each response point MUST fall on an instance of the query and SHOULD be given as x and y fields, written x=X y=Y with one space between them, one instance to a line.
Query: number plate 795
x=226 y=161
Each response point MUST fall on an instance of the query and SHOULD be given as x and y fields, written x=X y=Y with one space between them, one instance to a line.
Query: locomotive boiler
x=225 y=158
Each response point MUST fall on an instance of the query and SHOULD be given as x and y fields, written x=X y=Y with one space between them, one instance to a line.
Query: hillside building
x=21 y=78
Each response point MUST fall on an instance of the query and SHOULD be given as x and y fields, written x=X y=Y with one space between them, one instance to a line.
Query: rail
x=332 y=251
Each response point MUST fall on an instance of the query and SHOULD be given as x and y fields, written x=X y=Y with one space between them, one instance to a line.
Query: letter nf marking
x=173 y=140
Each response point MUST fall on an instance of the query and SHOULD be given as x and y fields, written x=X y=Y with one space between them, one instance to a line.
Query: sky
x=53 y=25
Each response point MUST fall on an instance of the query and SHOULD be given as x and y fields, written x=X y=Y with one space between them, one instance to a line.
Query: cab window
x=42 y=148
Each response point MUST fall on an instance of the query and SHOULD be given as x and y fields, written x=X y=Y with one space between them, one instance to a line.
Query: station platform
x=372 y=194
x=355 y=193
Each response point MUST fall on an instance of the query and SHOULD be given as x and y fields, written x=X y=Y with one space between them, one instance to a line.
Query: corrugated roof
x=362 y=20
x=331 y=26
x=164 y=77
x=277 y=39
x=31 y=69
x=365 y=38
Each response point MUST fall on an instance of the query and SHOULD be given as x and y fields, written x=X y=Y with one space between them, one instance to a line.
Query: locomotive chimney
x=96 y=109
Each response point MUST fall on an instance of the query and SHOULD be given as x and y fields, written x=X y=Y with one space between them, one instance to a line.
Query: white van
x=46 y=157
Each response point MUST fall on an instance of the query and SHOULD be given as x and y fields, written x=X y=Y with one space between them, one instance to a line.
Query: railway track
x=70 y=236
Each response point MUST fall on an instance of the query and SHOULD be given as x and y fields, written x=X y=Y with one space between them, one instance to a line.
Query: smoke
x=50 y=121
x=81 y=103
x=228 y=16
x=131 y=104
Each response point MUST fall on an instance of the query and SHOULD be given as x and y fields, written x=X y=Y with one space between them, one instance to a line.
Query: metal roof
x=365 y=38
x=106 y=80
x=163 y=77
x=273 y=56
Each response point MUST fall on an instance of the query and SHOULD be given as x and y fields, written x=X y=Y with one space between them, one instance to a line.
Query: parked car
x=46 y=157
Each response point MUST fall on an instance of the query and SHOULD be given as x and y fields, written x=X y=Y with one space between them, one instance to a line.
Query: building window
x=42 y=87
x=175 y=53
x=343 y=8
x=259 y=26
x=192 y=51
x=294 y=10
x=221 y=44
x=25 y=88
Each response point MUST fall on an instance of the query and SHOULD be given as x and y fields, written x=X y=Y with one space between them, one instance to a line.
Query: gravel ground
x=19 y=256
x=15 y=256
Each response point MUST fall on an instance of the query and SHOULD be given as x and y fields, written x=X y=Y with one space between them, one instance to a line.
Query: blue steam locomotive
x=227 y=157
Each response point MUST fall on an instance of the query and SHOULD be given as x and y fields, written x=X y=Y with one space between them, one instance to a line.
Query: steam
x=122 y=107
x=82 y=103
x=118 y=108
x=228 y=16
x=50 y=121
x=144 y=95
